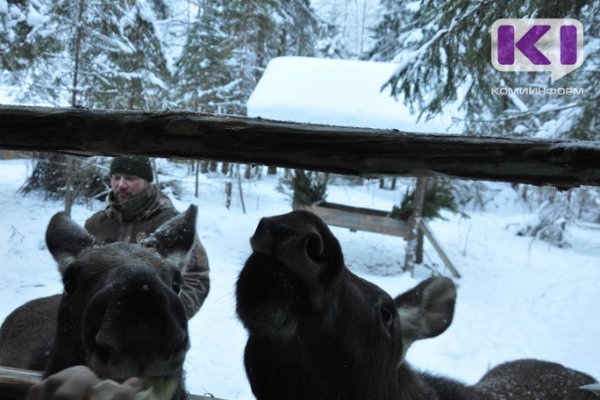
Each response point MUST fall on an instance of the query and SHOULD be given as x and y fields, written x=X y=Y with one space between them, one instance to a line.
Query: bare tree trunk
x=204 y=166
x=78 y=37
x=197 y=178
x=239 y=177
x=71 y=163
x=419 y=254
x=228 y=190
x=415 y=218
x=69 y=195
x=225 y=168
x=155 y=171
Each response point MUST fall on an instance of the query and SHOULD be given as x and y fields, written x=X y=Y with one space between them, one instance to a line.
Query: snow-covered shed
x=338 y=92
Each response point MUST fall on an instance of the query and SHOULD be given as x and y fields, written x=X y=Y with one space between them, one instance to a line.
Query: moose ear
x=175 y=237
x=65 y=240
x=426 y=310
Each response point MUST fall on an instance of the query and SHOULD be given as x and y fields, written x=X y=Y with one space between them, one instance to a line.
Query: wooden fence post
x=415 y=219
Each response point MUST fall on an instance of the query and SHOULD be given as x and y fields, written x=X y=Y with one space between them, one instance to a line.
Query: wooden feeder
x=370 y=220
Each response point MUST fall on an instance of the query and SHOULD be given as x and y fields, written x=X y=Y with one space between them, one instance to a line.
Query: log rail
x=351 y=151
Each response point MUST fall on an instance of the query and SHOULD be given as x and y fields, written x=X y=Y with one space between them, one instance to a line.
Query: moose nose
x=262 y=240
x=303 y=254
x=106 y=348
x=275 y=236
x=112 y=349
x=297 y=244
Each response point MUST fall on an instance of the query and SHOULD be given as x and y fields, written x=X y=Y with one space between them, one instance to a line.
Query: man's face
x=126 y=187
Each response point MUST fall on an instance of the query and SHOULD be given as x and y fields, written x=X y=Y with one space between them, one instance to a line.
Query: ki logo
x=542 y=44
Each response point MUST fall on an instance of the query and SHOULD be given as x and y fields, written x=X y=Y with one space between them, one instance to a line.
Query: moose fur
x=27 y=333
x=119 y=314
x=319 y=332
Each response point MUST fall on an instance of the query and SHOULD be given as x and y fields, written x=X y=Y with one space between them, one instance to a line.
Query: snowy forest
x=208 y=56
x=528 y=255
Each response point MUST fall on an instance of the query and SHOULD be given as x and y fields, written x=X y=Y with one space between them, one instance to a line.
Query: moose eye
x=387 y=315
x=69 y=286
x=70 y=280
x=176 y=286
x=176 y=281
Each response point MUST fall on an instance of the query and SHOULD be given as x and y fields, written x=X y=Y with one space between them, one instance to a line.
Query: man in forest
x=136 y=209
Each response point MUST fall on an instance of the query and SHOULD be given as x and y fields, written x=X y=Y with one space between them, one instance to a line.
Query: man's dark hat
x=136 y=166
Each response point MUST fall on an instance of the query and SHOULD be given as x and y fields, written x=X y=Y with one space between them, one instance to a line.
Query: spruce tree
x=205 y=78
x=252 y=32
x=344 y=27
x=298 y=28
x=443 y=47
x=23 y=36
x=229 y=44
x=126 y=50
x=258 y=31
x=330 y=43
x=32 y=44
x=104 y=54
x=443 y=50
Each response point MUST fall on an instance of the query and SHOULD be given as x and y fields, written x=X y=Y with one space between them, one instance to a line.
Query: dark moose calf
x=319 y=332
x=119 y=314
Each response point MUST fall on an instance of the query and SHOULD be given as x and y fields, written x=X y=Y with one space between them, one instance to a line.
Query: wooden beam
x=14 y=383
x=424 y=227
x=356 y=219
x=352 y=151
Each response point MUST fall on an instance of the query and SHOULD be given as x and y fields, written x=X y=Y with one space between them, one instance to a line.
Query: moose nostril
x=103 y=352
x=105 y=348
x=314 y=246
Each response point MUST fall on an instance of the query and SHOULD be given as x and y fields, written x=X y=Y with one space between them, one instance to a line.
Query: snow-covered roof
x=337 y=92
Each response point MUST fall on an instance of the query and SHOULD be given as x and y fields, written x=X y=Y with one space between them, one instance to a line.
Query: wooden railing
x=352 y=151
x=14 y=383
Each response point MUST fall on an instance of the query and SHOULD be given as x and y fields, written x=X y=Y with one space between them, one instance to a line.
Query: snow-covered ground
x=517 y=297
